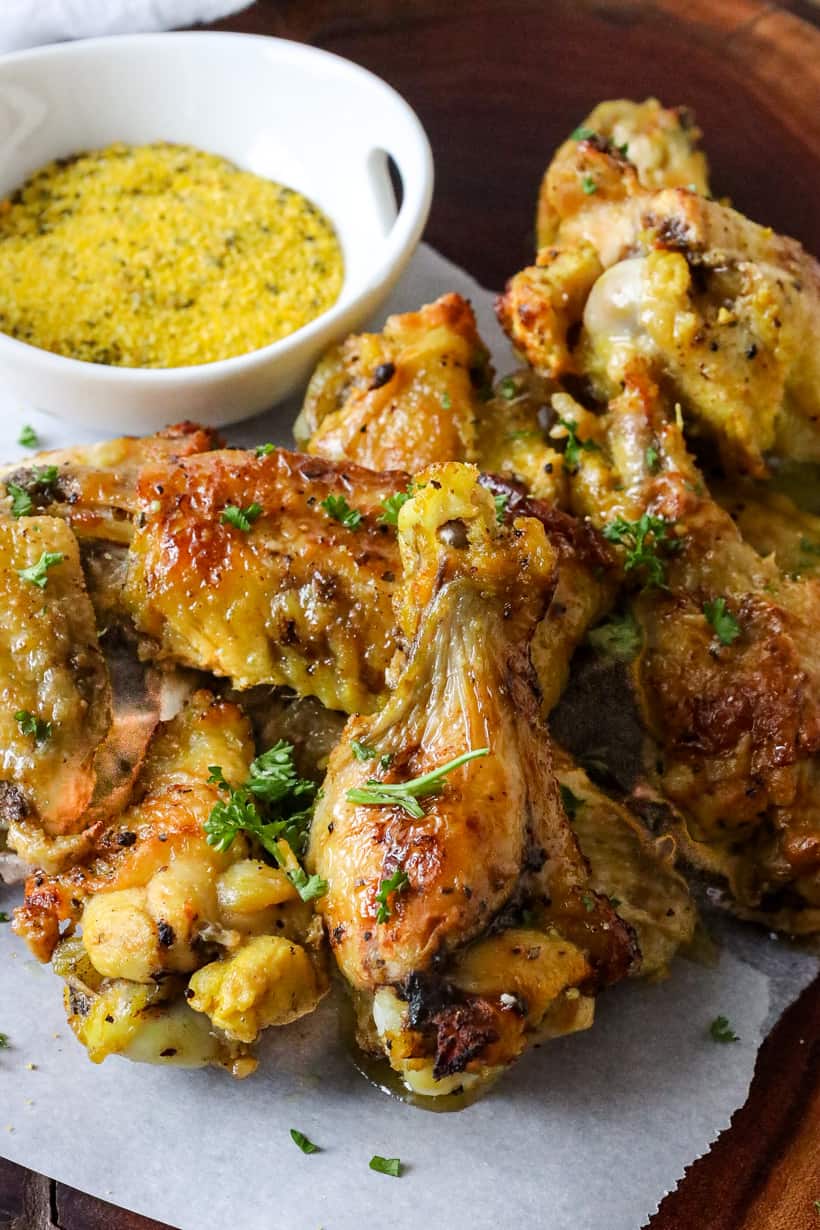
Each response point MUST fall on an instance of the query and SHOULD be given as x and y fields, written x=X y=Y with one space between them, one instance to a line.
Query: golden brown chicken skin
x=56 y=696
x=171 y=926
x=439 y=991
x=402 y=398
x=727 y=679
x=297 y=594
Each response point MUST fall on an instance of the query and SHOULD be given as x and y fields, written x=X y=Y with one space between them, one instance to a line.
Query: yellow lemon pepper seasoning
x=160 y=256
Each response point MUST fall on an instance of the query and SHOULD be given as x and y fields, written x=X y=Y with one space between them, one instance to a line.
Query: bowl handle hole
x=386 y=186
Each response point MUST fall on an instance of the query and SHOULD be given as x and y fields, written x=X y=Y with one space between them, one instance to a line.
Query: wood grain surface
x=497 y=84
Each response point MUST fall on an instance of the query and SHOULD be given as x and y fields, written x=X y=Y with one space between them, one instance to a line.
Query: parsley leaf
x=583 y=134
x=721 y=1031
x=501 y=502
x=281 y=828
x=643 y=539
x=507 y=388
x=726 y=627
x=37 y=574
x=4 y=1042
x=361 y=751
x=337 y=507
x=589 y=185
x=618 y=637
x=397 y=883
x=4 y=917
x=571 y=802
x=28 y=437
x=264 y=450
x=240 y=518
x=392 y=506
x=386 y=1165
x=446 y=401
x=574 y=446
x=42 y=477
x=375 y=793
x=652 y=458
x=588 y=903
x=30 y=724
x=299 y=1139
x=21 y=502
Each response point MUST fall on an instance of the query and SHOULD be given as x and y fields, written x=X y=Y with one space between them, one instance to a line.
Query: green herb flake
x=816 y=1207
x=28 y=437
x=589 y=185
x=588 y=903
x=618 y=637
x=264 y=450
x=623 y=150
x=274 y=805
x=583 y=134
x=396 y=883
x=643 y=540
x=726 y=627
x=574 y=446
x=240 y=518
x=376 y=793
x=386 y=1165
x=386 y=760
x=37 y=574
x=446 y=401
x=302 y=1142
x=570 y=802
x=21 y=502
x=337 y=507
x=4 y=917
x=721 y=1030
x=4 y=1043
x=501 y=502
x=361 y=751
x=615 y=902
x=653 y=459
x=30 y=724
x=392 y=506
x=507 y=388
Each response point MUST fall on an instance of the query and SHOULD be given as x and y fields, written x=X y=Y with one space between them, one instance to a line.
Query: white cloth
x=29 y=23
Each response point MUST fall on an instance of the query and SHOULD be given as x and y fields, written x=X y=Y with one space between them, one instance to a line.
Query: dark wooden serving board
x=498 y=83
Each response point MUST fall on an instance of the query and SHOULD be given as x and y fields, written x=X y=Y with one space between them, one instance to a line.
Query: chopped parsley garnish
x=240 y=518
x=721 y=1031
x=588 y=903
x=30 y=724
x=392 y=506
x=299 y=1139
x=726 y=627
x=397 y=883
x=588 y=184
x=618 y=637
x=501 y=502
x=4 y=1042
x=4 y=917
x=571 y=802
x=37 y=574
x=574 y=447
x=42 y=477
x=446 y=401
x=643 y=539
x=653 y=459
x=583 y=134
x=507 y=388
x=264 y=450
x=281 y=826
x=337 y=507
x=386 y=760
x=376 y=793
x=28 y=437
x=386 y=1165
x=361 y=751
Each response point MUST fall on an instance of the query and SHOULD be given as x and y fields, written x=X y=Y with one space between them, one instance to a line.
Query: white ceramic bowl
x=306 y=118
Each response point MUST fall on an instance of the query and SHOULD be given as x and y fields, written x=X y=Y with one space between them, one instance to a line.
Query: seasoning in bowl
x=160 y=256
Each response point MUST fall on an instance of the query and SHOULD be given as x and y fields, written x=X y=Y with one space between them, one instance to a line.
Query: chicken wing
x=431 y=868
x=402 y=398
x=172 y=925
x=257 y=568
x=725 y=311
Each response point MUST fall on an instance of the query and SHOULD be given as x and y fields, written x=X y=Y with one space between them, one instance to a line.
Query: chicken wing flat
x=725 y=311
x=173 y=926
x=272 y=569
x=727 y=676
x=430 y=868
x=56 y=695
x=403 y=398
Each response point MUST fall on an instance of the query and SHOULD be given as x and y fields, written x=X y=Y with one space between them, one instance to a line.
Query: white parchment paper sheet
x=590 y=1130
